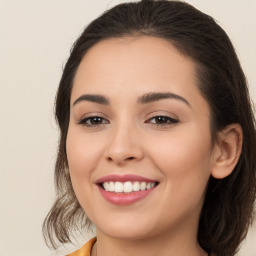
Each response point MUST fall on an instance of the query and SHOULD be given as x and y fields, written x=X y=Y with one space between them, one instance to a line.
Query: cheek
x=185 y=162
x=185 y=159
x=83 y=152
x=187 y=145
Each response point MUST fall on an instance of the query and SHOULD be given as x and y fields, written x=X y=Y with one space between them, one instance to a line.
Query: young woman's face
x=139 y=127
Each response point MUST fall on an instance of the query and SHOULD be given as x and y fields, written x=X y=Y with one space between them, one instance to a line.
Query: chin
x=126 y=230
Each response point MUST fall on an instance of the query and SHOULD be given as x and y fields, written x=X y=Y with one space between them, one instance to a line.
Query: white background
x=35 y=39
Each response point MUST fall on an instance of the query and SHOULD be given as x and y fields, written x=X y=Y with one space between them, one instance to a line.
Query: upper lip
x=123 y=178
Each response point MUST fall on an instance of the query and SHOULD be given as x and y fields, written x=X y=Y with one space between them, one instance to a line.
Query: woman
x=158 y=138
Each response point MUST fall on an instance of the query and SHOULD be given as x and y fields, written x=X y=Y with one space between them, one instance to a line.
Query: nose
x=124 y=146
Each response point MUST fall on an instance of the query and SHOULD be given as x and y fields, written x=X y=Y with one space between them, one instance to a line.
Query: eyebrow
x=156 y=96
x=96 y=98
x=144 y=99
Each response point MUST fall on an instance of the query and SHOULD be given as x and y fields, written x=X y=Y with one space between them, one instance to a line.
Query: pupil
x=160 y=119
x=96 y=120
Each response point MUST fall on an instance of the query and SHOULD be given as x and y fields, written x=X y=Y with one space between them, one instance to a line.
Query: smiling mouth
x=124 y=190
x=127 y=187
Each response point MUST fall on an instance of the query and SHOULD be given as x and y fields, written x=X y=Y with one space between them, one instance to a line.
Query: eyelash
x=168 y=121
x=91 y=118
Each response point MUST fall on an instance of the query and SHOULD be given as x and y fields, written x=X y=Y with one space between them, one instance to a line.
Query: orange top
x=85 y=250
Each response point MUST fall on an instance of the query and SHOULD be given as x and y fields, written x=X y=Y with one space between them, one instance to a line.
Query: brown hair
x=229 y=203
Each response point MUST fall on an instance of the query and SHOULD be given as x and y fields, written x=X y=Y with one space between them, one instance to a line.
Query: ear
x=229 y=147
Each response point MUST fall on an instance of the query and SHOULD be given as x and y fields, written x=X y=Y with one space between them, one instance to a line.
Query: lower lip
x=124 y=198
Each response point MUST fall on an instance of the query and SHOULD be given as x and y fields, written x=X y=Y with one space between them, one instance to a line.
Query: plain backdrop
x=35 y=39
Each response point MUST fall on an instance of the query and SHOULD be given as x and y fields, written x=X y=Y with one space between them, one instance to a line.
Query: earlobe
x=229 y=148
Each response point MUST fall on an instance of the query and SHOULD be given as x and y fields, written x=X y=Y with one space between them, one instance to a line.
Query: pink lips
x=124 y=198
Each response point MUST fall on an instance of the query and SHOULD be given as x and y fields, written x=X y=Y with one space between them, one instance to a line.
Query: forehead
x=132 y=52
x=139 y=64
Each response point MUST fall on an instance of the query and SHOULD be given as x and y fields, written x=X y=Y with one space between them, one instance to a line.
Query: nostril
x=130 y=158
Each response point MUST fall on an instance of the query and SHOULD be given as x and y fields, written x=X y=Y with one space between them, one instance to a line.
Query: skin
x=180 y=155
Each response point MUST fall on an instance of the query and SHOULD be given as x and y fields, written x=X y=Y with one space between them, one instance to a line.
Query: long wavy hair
x=229 y=203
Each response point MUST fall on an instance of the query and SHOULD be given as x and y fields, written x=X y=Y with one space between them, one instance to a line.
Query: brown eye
x=162 y=120
x=93 y=121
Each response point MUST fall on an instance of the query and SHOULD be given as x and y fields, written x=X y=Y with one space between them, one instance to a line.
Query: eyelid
x=93 y=114
x=169 y=117
x=88 y=116
x=166 y=117
x=164 y=114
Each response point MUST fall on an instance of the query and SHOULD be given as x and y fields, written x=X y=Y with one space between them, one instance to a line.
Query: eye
x=162 y=120
x=93 y=121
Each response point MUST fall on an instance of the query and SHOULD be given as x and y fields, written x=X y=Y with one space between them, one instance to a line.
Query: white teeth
x=128 y=186
x=119 y=188
x=106 y=186
x=153 y=184
x=111 y=186
x=148 y=185
x=143 y=185
x=136 y=186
